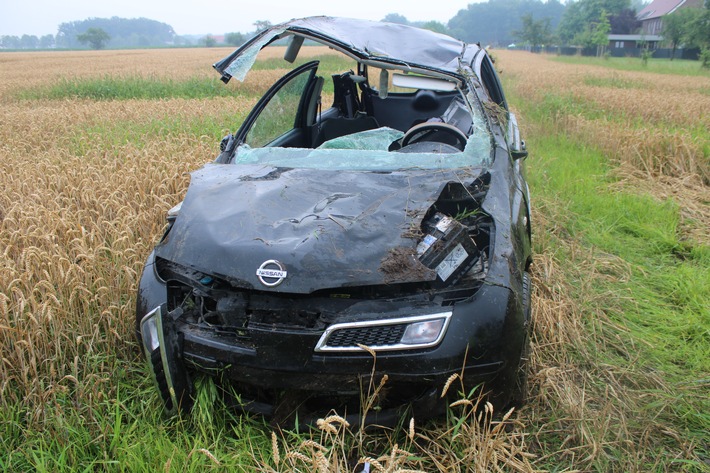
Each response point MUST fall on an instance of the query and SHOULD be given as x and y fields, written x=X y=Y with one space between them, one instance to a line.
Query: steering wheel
x=429 y=131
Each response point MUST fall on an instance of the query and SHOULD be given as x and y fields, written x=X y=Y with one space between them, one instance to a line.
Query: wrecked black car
x=329 y=245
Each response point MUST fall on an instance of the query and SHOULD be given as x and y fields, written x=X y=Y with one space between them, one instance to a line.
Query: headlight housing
x=403 y=333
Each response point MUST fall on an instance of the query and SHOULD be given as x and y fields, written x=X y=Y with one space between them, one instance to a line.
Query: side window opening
x=491 y=82
x=281 y=113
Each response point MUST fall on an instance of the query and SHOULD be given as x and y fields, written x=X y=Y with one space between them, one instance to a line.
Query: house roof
x=658 y=8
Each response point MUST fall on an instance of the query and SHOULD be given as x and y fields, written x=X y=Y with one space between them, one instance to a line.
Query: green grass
x=156 y=88
x=625 y=259
x=329 y=63
x=127 y=432
x=614 y=81
x=113 y=135
x=560 y=104
x=129 y=87
x=660 y=66
x=670 y=278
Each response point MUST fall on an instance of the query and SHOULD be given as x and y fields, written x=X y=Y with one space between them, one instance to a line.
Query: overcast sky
x=41 y=17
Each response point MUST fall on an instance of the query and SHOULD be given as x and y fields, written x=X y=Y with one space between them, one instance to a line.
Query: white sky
x=41 y=17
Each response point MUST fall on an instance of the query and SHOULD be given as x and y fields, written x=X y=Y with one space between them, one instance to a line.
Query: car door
x=283 y=115
x=516 y=146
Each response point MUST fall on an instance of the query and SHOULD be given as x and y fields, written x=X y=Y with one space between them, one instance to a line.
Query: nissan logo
x=271 y=273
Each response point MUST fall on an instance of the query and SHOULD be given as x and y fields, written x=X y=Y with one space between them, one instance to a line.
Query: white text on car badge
x=271 y=273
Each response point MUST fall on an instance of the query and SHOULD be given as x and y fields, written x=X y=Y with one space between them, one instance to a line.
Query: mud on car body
x=395 y=221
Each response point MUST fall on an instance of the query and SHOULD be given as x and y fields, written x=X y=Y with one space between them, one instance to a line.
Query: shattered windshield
x=242 y=64
x=368 y=151
x=373 y=122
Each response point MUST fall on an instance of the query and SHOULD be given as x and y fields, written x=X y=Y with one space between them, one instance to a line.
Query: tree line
x=587 y=23
x=581 y=23
x=533 y=23
x=98 y=33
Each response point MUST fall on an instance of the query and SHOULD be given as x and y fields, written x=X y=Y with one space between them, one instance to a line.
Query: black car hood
x=328 y=228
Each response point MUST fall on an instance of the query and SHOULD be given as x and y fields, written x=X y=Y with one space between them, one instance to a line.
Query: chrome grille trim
x=323 y=347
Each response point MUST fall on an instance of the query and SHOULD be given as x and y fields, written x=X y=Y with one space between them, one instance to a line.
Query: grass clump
x=682 y=67
x=623 y=285
x=329 y=63
x=615 y=81
x=113 y=136
x=127 y=88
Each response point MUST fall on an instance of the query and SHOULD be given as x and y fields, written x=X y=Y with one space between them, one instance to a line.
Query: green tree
x=578 y=16
x=123 y=32
x=395 y=18
x=600 y=33
x=208 y=41
x=96 y=37
x=435 y=26
x=494 y=22
x=29 y=41
x=534 y=33
x=235 y=39
x=10 y=42
x=262 y=25
x=698 y=33
x=46 y=41
x=676 y=26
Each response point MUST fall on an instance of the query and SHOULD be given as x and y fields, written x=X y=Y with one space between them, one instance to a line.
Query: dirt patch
x=402 y=265
x=414 y=230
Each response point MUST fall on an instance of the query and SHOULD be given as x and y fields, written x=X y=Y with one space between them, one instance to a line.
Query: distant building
x=651 y=16
x=634 y=41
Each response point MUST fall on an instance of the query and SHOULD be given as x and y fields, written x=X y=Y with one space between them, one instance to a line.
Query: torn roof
x=366 y=40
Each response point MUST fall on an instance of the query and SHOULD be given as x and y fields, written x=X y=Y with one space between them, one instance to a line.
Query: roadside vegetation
x=676 y=67
x=155 y=87
x=619 y=177
x=619 y=172
x=129 y=87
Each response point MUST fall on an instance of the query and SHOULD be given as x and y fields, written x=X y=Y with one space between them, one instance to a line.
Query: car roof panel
x=363 y=40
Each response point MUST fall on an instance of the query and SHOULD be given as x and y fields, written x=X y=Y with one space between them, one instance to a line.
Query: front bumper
x=482 y=340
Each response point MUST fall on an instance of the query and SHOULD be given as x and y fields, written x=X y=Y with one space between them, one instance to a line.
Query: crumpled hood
x=329 y=229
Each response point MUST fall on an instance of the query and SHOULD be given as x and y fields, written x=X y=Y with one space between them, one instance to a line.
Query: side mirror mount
x=226 y=148
x=521 y=153
x=517 y=147
x=384 y=84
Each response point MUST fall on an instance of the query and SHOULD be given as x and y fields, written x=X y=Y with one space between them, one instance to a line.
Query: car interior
x=441 y=116
x=430 y=112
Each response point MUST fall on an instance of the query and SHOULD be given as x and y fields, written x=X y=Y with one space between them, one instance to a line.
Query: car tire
x=520 y=387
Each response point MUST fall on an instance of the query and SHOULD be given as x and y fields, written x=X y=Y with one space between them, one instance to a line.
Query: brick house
x=651 y=16
x=650 y=34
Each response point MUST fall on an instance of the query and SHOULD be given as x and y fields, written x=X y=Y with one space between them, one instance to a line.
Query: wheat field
x=86 y=185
